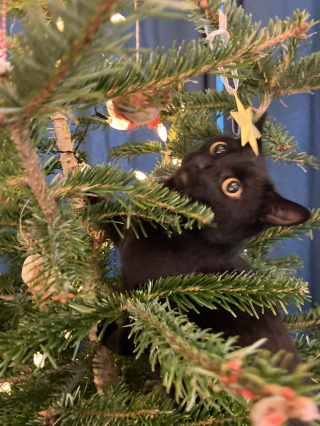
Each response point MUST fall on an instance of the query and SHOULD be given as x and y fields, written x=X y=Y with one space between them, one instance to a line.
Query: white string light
x=162 y=132
x=60 y=24
x=38 y=359
x=114 y=122
x=5 y=387
x=117 y=17
x=67 y=334
x=176 y=162
x=140 y=175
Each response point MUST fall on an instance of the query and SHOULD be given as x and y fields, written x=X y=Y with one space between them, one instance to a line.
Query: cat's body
x=205 y=176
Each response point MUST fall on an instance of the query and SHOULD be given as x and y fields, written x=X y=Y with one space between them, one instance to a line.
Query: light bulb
x=5 y=387
x=176 y=162
x=60 y=24
x=162 y=132
x=117 y=17
x=67 y=334
x=114 y=122
x=118 y=123
x=38 y=359
x=140 y=175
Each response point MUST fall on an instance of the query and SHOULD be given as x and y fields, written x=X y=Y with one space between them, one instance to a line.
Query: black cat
x=235 y=183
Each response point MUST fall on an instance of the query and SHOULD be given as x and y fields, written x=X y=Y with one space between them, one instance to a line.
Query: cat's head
x=235 y=183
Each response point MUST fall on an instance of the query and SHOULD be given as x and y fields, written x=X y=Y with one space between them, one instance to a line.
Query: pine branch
x=224 y=290
x=131 y=150
x=214 y=291
x=280 y=266
x=299 y=77
x=280 y=145
x=34 y=176
x=309 y=348
x=211 y=100
x=303 y=321
x=262 y=244
x=164 y=170
x=191 y=358
x=108 y=181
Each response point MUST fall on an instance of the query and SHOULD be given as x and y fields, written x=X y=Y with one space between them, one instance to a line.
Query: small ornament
x=249 y=132
x=5 y=387
x=4 y=64
x=137 y=110
x=38 y=360
x=276 y=409
x=32 y=275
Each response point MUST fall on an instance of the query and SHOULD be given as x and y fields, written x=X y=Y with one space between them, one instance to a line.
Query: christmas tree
x=63 y=289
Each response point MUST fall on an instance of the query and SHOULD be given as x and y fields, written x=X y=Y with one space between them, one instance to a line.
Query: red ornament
x=138 y=110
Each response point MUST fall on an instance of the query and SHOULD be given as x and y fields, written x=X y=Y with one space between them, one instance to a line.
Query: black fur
x=213 y=249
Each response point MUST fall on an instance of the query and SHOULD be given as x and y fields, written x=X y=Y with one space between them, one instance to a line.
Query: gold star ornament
x=249 y=132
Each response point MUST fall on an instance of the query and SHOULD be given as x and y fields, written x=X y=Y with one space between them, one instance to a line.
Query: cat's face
x=235 y=183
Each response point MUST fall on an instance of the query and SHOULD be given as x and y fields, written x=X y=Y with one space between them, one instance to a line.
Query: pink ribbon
x=3 y=32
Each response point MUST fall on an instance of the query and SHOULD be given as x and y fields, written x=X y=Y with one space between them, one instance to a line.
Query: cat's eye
x=232 y=187
x=218 y=148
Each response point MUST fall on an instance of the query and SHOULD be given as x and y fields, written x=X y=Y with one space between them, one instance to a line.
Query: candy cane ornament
x=4 y=64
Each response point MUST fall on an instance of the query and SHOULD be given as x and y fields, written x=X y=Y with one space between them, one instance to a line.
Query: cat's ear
x=260 y=123
x=282 y=212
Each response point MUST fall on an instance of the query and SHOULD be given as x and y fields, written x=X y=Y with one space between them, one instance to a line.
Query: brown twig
x=104 y=369
x=64 y=143
x=217 y=421
x=34 y=178
x=296 y=91
x=305 y=324
x=6 y=297
x=150 y=413
x=29 y=376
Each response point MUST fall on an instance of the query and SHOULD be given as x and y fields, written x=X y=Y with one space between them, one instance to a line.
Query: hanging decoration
x=249 y=132
x=4 y=64
x=244 y=117
x=224 y=34
x=138 y=110
x=32 y=274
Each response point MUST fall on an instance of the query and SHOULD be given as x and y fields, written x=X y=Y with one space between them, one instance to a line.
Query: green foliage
x=135 y=196
x=131 y=150
x=72 y=71
x=280 y=145
x=304 y=321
